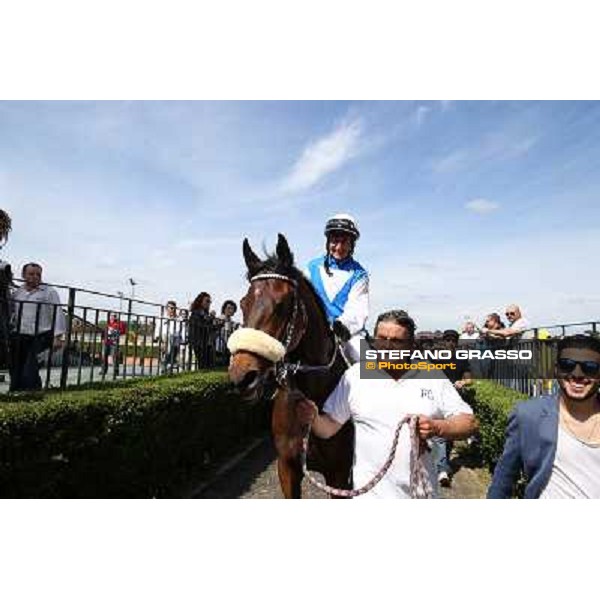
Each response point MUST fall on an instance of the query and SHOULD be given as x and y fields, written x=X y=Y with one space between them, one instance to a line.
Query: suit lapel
x=548 y=429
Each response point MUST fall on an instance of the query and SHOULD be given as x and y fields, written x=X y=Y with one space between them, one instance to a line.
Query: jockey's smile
x=340 y=245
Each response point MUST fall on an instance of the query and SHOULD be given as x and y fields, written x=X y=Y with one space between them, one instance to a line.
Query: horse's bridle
x=284 y=368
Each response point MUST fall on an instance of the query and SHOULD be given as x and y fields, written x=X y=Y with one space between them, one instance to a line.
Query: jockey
x=342 y=283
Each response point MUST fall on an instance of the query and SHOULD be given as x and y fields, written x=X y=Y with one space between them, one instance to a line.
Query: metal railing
x=77 y=342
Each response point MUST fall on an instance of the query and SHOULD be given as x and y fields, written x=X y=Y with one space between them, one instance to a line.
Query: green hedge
x=142 y=438
x=492 y=404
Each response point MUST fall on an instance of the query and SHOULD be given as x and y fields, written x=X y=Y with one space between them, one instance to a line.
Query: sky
x=463 y=207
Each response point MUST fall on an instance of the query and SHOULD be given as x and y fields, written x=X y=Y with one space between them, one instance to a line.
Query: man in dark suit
x=554 y=441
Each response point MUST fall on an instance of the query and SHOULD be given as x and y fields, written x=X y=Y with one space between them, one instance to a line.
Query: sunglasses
x=590 y=368
x=510 y=314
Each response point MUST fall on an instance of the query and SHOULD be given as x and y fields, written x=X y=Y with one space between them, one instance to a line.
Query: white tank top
x=576 y=469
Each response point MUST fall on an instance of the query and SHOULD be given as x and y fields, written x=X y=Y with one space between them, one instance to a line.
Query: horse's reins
x=420 y=485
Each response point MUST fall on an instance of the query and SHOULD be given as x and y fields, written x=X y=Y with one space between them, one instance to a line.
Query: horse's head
x=274 y=319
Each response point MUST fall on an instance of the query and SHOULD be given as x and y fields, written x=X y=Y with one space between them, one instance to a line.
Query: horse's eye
x=280 y=307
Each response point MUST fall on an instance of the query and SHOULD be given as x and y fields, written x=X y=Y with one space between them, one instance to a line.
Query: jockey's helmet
x=342 y=223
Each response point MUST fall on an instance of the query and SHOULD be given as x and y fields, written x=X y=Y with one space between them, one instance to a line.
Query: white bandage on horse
x=257 y=342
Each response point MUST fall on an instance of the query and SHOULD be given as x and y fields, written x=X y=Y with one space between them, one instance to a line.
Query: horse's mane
x=273 y=264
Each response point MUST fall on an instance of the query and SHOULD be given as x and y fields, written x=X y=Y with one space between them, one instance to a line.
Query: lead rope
x=420 y=484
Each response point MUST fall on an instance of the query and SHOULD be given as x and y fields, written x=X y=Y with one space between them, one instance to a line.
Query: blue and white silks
x=345 y=293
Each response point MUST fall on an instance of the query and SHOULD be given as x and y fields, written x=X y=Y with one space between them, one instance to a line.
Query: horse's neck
x=317 y=348
x=317 y=343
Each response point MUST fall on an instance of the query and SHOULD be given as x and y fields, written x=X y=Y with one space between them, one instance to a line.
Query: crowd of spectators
x=493 y=333
x=34 y=325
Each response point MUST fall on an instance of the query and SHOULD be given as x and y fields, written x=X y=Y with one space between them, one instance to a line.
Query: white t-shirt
x=168 y=328
x=376 y=407
x=520 y=325
x=470 y=336
x=576 y=469
x=38 y=305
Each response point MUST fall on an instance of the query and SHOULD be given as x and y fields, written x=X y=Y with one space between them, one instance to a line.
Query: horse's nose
x=248 y=382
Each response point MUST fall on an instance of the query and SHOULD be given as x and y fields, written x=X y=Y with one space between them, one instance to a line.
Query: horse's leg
x=340 y=459
x=290 y=478
x=288 y=443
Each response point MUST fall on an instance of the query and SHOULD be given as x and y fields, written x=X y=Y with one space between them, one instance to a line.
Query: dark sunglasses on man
x=590 y=368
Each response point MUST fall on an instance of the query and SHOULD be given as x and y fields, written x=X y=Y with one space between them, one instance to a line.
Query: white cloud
x=495 y=147
x=482 y=206
x=421 y=113
x=451 y=162
x=323 y=157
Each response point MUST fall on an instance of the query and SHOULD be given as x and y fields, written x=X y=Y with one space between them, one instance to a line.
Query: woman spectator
x=493 y=322
x=201 y=331
x=227 y=327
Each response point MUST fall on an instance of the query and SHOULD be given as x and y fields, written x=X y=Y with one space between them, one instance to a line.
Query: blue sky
x=464 y=207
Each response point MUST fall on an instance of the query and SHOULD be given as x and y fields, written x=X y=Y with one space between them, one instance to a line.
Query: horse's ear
x=252 y=261
x=286 y=258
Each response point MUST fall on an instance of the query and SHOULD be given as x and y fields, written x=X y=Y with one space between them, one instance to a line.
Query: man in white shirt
x=39 y=324
x=168 y=332
x=469 y=332
x=377 y=405
x=518 y=326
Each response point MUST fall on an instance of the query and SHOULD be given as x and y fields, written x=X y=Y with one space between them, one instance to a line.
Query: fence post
x=64 y=373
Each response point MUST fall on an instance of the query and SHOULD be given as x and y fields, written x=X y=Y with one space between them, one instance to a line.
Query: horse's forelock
x=272 y=264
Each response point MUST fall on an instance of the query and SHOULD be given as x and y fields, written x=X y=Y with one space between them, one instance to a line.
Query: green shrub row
x=137 y=439
x=492 y=404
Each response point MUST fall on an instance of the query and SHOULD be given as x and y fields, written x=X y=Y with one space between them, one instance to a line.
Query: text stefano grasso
x=499 y=354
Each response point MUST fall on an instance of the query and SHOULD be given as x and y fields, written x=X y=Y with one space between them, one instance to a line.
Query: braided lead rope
x=420 y=485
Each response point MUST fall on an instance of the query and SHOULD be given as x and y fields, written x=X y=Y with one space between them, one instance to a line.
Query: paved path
x=254 y=476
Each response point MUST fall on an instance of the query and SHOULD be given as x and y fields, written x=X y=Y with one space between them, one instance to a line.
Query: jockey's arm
x=356 y=311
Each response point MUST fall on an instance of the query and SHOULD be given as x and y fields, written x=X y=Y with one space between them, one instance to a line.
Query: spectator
x=554 y=440
x=202 y=330
x=115 y=328
x=377 y=405
x=469 y=331
x=40 y=325
x=167 y=333
x=5 y=285
x=227 y=327
x=517 y=327
x=459 y=378
x=493 y=322
x=184 y=314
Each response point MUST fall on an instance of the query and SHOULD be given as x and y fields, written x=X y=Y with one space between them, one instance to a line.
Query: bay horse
x=282 y=303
